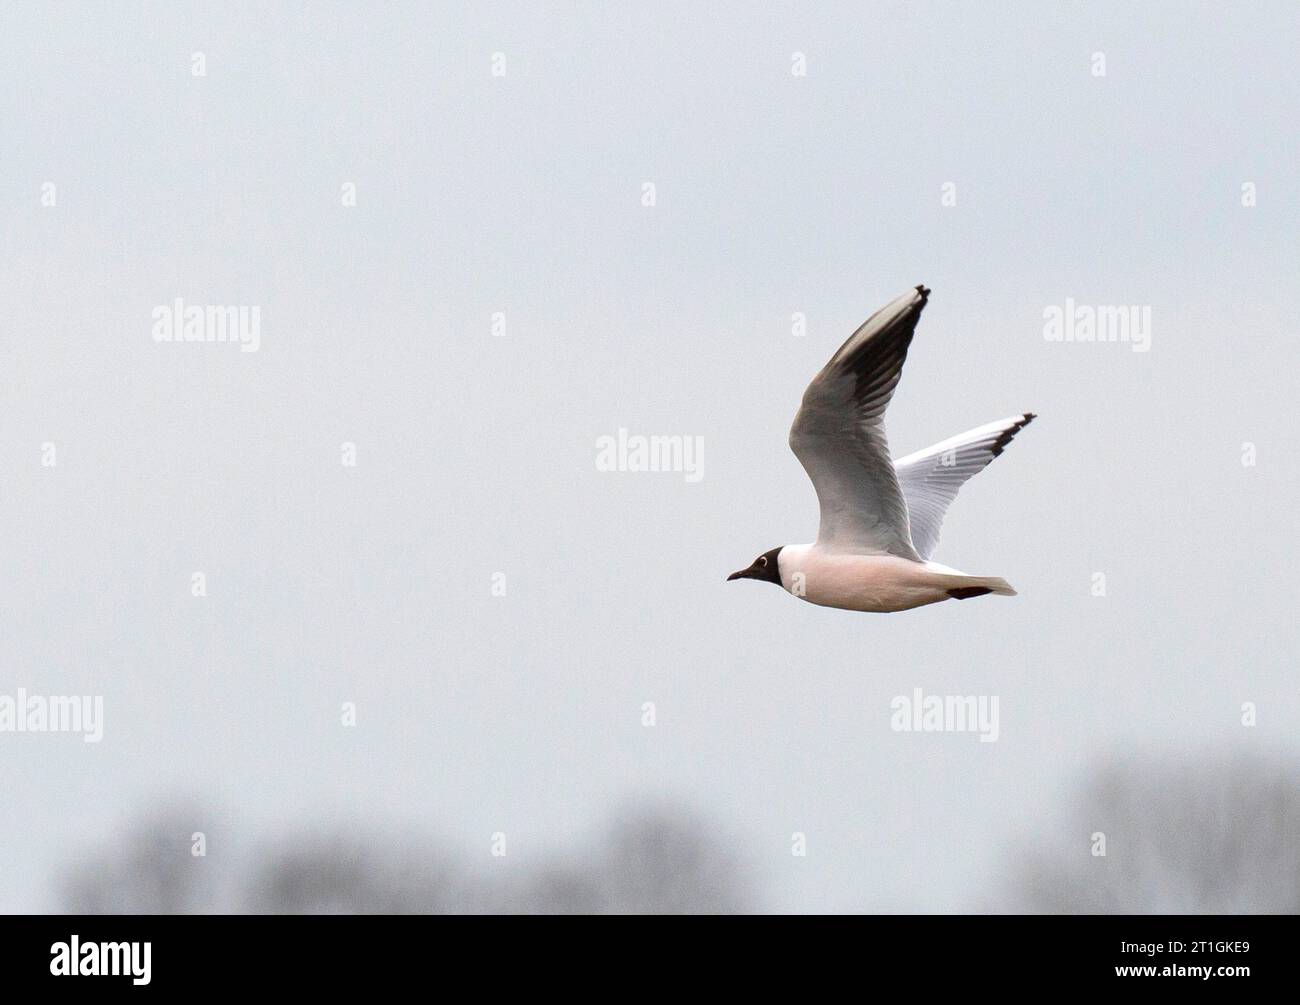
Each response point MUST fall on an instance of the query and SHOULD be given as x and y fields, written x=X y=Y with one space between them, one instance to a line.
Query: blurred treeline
x=1209 y=835
x=652 y=859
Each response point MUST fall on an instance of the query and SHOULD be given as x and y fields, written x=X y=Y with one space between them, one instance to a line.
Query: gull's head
x=764 y=568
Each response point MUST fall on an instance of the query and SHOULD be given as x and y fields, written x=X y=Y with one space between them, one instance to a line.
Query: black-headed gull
x=880 y=518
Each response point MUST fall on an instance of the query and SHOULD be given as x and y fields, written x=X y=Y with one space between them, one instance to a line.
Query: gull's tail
x=978 y=586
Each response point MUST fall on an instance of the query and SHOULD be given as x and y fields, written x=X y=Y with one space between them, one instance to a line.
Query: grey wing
x=930 y=478
x=839 y=435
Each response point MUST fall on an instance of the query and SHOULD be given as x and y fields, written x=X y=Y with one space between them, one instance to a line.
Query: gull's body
x=878 y=583
x=880 y=518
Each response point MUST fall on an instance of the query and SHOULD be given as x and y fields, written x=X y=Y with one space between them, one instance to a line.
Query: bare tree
x=655 y=859
x=354 y=873
x=153 y=869
x=1180 y=837
x=659 y=860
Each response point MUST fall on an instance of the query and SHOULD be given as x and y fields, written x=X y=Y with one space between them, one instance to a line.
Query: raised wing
x=930 y=478
x=839 y=435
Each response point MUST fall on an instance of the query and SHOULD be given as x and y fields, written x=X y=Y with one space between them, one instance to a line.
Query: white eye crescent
x=762 y=560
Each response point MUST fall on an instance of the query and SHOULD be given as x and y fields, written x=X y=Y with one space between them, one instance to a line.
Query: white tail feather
x=997 y=584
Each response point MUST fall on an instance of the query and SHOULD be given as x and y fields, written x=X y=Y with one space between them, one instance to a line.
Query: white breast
x=860 y=582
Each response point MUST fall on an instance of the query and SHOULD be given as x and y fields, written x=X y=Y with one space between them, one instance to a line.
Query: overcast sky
x=775 y=194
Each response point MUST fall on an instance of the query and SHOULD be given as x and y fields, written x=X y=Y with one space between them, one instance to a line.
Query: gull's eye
x=762 y=560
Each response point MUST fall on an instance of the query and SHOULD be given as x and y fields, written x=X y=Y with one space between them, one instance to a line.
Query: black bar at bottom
x=332 y=954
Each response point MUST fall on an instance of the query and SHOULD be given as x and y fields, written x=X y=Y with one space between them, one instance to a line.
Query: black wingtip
x=924 y=290
x=1009 y=433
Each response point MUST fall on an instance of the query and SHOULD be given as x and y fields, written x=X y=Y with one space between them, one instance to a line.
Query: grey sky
x=775 y=194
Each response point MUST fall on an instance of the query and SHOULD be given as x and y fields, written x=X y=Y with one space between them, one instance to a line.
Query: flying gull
x=880 y=518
